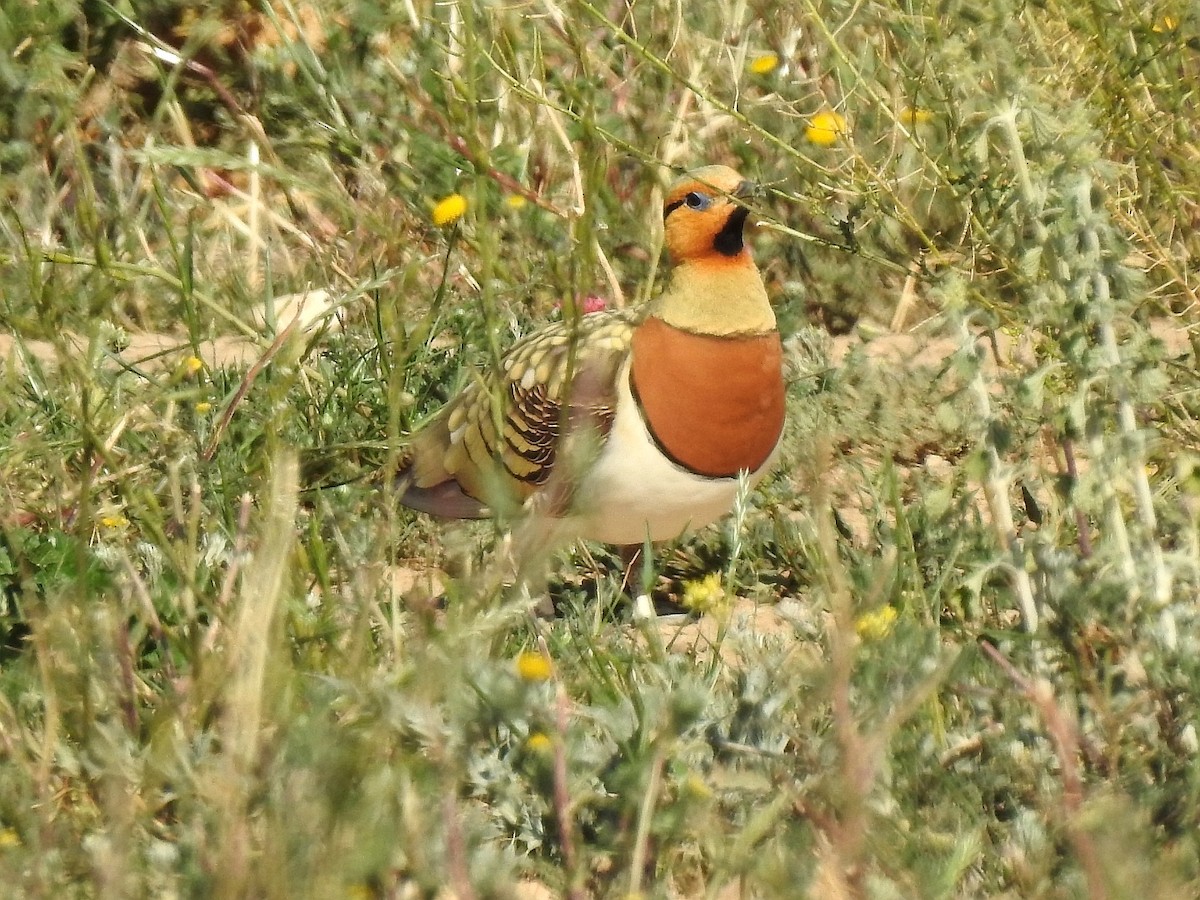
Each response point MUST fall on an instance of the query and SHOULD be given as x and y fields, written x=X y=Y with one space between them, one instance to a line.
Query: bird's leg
x=631 y=580
x=532 y=545
x=631 y=555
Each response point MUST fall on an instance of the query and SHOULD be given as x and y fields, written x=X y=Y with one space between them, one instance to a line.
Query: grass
x=947 y=650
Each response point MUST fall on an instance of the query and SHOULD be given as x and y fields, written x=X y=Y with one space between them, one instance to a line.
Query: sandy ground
x=162 y=350
x=312 y=309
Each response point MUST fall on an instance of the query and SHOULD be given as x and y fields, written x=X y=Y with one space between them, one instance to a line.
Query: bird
x=624 y=426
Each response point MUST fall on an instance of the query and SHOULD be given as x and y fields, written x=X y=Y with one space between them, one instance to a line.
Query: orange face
x=702 y=217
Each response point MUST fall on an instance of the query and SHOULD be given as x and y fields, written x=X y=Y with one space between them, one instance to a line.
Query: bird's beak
x=745 y=188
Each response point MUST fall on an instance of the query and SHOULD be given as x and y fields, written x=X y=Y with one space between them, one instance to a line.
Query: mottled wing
x=509 y=433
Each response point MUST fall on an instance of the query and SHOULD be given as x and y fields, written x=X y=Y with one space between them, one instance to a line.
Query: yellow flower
x=449 y=209
x=203 y=406
x=695 y=787
x=764 y=64
x=515 y=201
x=191 y=365
x=539 y=742
x=705 y=596
x=533 y=666
x=876 y=624
x=9 y=838
x=915 y=115
x=114 y=521
x=825 y=128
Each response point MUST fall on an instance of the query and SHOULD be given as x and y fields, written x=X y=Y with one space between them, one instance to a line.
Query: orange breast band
x=714 y=405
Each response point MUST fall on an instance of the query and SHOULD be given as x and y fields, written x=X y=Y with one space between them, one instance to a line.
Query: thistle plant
x=1076 y=291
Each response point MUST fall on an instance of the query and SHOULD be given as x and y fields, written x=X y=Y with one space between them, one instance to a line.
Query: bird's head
x=702 y=217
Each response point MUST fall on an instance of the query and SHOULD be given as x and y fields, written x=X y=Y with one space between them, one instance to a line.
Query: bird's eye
x=696 y=200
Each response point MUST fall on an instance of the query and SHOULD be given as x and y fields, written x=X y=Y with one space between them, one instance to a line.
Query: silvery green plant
x=1067 y=264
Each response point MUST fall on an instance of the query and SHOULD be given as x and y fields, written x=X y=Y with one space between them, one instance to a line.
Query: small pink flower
x=590 y=304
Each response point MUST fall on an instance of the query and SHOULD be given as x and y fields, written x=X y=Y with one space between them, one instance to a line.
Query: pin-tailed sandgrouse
x=625 y=425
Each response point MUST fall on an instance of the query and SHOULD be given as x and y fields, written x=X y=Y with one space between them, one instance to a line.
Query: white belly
x=633 y=491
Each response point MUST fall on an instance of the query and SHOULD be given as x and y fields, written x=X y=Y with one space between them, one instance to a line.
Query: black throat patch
x=728 y=241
